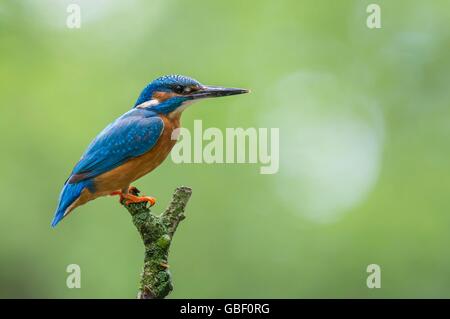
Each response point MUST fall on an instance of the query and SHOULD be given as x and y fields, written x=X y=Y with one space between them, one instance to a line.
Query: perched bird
x=134 y=144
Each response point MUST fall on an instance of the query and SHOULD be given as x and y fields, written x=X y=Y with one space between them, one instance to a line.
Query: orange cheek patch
x=162 y=96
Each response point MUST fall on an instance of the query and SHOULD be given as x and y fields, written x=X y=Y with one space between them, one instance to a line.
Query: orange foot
x=138 y=199
x=132 y=197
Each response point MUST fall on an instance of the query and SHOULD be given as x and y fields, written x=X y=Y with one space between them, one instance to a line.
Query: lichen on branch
x=157 y=233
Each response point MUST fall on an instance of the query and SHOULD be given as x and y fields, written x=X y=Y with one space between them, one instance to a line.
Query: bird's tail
x=69 y=194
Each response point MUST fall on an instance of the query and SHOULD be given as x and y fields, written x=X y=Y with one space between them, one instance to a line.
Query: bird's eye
x=178 y=89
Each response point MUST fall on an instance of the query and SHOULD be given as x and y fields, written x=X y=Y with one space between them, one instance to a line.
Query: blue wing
x=129 y=136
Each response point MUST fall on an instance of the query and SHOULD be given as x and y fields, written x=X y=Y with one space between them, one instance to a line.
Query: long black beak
x=216 y=91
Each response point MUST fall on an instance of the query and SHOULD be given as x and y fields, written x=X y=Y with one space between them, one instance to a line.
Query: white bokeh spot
x=331 y=145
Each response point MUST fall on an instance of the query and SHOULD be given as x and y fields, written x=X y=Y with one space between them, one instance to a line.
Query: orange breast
x=121 y=177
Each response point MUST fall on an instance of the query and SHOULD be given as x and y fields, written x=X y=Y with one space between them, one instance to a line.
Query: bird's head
x=173 y=93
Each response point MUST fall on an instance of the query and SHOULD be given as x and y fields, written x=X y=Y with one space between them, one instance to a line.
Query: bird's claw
x=132 y=199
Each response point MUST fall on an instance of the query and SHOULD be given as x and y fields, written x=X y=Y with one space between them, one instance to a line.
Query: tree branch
x=157 y=233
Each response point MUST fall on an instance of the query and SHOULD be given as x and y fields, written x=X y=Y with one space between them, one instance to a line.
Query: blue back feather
x=131 y=135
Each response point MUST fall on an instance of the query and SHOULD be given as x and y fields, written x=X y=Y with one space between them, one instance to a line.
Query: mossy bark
x=157 y=233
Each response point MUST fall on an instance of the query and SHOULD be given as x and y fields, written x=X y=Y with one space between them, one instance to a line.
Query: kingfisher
x=134 y=144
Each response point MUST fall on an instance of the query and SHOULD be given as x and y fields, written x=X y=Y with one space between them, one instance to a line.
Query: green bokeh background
x=364 y=121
